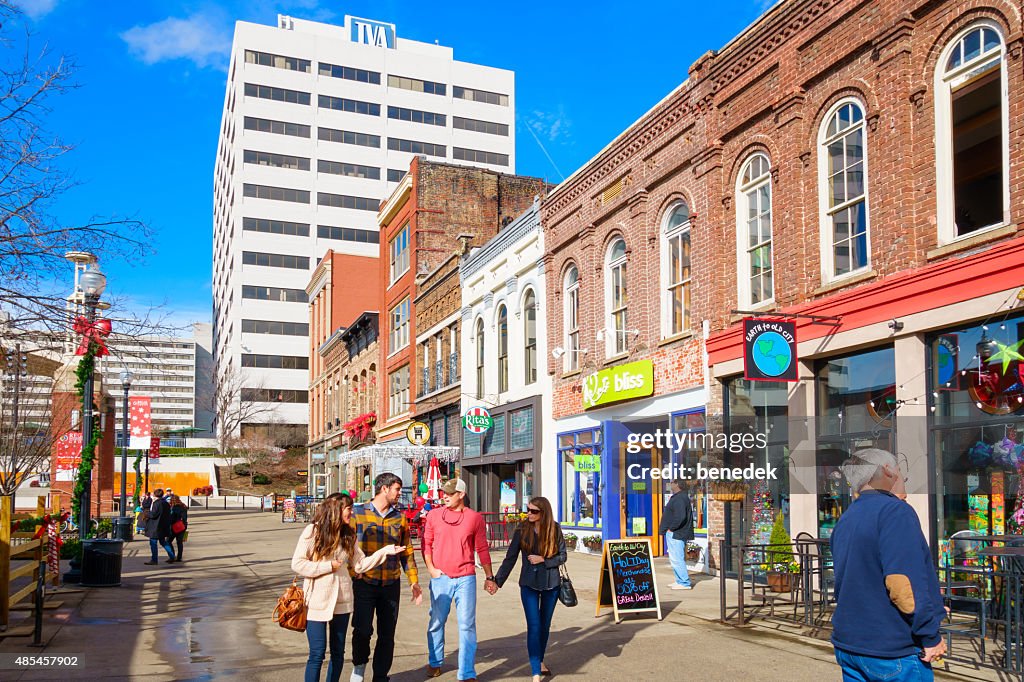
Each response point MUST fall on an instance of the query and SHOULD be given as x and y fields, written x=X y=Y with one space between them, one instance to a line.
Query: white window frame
x=398 y=334
x=480 y=358
x=669 y=235
x=502 y=346
x=398 y=400
x=743 y=190
x=527 y=346
x=399 y=257
x=616 y=341
x=826 y=212
x=944 y=81
x=571 y=323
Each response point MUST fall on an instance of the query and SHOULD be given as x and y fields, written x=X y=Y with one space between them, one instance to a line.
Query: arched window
x=843 y=195
x=480 y=359
x=617 y=298
x=502 y=349
x=971 y=133
x=373 y=388
x=530 y=336
x=754 y=231
x=675 y=271
x=572 y=319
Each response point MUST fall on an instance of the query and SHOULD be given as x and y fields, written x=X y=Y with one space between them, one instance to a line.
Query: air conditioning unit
x=285 y=22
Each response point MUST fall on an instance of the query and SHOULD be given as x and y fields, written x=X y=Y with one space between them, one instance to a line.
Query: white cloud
x=36 y=9
x=553 y=126
x=202 y=38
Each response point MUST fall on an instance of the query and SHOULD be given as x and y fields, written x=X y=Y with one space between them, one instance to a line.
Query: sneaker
x=149 y=563
x=677 y=586
x=357 y=673
x=673 y=586
x=170 y=561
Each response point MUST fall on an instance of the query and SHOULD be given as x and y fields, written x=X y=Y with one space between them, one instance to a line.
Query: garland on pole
x=138 y=479
x=85 y=369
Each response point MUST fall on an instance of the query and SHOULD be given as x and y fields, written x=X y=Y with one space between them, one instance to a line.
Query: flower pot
x=570 y=545
x=780 y=582
x=693 y=555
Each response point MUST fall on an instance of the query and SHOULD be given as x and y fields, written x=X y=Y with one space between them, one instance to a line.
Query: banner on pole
x=140 y=423
x=154 y=448
x=68 y=455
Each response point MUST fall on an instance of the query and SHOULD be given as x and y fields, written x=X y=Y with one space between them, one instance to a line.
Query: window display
x=580 y=455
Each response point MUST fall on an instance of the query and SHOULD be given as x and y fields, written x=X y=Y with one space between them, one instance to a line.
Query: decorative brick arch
x=857 y=89
x=1002 y=13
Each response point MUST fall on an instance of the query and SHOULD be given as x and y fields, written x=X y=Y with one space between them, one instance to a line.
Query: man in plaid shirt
x=379 y=523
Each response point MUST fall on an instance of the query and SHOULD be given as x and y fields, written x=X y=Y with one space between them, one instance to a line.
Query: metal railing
x=424 y=382
x=453 y=368
x=439 y=375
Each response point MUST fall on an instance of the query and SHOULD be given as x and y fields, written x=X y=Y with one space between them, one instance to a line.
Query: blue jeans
x=857 y=668
x=462 y=591
x=677 y=557
x=316 y=633
x=166 y=545
x=539 y=607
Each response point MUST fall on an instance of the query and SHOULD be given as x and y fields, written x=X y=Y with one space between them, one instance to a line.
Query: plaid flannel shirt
x=374 y=531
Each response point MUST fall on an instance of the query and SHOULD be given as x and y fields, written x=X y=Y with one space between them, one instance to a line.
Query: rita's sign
x=769 y=350
x=624 y=382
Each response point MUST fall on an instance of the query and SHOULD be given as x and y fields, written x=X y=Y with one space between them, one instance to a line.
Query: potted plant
x=692 y=551
x=780 y=564
x=570 y=541
x=592 y=542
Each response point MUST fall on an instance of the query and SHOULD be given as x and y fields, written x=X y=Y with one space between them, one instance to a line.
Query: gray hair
x=865 y=464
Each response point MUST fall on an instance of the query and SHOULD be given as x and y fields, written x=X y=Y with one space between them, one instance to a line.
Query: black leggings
x=180 y=538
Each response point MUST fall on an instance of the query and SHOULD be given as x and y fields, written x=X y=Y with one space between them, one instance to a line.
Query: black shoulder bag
x=566 y=592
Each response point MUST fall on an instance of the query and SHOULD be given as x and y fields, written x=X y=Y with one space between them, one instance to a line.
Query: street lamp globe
x=93 y=282
x=126 y=379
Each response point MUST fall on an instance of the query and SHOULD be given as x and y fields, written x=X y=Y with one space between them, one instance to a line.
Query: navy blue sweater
x=887 y=591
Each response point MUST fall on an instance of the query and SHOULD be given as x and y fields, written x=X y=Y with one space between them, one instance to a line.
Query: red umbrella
x=434 y=480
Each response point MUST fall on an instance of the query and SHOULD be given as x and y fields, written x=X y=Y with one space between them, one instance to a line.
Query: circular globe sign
x=477 y=420
x=771 y=354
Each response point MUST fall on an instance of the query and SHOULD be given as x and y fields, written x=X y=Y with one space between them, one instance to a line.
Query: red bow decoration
x=47 y=522
x=92 y=332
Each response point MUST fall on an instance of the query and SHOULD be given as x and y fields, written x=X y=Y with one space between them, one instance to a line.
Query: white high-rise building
x=320 y=123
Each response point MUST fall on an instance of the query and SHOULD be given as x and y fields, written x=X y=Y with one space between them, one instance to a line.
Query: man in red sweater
x=450 y=537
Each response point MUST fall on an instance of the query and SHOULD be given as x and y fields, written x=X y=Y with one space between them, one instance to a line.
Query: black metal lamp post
x=92 y=283
x=124 y=521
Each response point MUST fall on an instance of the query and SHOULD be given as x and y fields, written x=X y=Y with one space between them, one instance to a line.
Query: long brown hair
x=330 y=532
x=546 y=540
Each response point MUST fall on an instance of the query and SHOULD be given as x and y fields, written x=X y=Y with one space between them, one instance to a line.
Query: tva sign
x=372 y=32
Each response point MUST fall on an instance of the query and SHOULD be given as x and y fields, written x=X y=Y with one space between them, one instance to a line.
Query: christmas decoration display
x=1015 y=522
x=762 y=518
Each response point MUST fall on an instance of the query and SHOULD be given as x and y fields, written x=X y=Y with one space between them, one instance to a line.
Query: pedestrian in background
x=378 y=592
x=366 y=495
x=539 y=541
x=325 y=553
x=677 y=527
x=888 y=603
x=179 y=524
x=158 y=527
x=451 y=536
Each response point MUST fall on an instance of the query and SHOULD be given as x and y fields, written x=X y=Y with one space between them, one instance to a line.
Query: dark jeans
x=539 y=607
x=166 y=545
x=381 y=600
x=179 y=539
x=316 y=633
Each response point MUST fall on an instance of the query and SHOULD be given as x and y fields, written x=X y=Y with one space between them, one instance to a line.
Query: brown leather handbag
x=290 y=612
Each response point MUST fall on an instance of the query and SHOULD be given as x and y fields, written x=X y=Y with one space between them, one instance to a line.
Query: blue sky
x=145 y=118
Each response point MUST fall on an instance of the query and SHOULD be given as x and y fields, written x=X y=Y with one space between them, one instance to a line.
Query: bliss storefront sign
x=373 y=33
x=633 y=380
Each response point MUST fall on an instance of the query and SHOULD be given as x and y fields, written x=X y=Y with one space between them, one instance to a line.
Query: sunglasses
x=531 y=510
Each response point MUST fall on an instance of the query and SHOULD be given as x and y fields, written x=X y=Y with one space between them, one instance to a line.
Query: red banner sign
x=140 y=423
x=68 y=455
x=154 y=448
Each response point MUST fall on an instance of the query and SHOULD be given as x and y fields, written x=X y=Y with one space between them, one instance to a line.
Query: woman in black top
x=179 y=512
x=539 y=540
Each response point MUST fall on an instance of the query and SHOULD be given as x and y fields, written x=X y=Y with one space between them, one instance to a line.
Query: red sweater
x=451 y=545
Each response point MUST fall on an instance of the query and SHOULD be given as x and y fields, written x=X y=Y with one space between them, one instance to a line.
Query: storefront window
x=758 y=407
x=856 y=409
x=580 y=457
x=526 y=482
x=692 y=452
x=494 y=439
x=976 y=401
x=522 y=429
x=471 y=443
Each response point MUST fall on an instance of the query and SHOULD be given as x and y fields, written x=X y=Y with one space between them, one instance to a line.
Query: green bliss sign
x=588 y=463
x=624 y=382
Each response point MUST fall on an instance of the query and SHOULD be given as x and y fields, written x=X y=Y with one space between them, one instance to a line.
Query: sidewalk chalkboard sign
x=627 y=583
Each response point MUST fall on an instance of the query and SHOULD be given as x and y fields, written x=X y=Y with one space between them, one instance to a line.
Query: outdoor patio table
x=1011 y=559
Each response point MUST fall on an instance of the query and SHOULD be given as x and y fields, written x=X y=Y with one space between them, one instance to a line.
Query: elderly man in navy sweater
x=888 y=604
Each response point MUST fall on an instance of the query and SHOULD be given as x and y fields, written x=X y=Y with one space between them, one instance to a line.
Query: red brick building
x=856 y=161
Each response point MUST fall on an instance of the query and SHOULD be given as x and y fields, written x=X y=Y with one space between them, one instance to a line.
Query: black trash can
x=101 y=562
x=124 y=528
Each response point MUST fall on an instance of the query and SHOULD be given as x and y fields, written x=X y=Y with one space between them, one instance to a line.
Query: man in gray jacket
x=677 y=525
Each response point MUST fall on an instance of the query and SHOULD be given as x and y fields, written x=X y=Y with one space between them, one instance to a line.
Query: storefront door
x=640 y=496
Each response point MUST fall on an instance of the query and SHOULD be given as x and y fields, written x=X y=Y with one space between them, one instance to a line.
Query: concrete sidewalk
x=210 y=618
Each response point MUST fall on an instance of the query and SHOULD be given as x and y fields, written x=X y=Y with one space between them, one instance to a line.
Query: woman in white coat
x=325 y=552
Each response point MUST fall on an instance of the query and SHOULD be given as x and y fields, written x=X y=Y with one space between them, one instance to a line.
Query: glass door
x=640 y=496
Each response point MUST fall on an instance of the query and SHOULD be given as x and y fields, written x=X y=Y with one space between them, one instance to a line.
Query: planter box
x=780 y=582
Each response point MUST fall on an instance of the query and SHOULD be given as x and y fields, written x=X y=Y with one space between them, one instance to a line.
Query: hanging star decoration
x=1006 y=354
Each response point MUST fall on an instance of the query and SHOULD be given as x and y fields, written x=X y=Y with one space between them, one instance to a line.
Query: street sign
x=303 y=472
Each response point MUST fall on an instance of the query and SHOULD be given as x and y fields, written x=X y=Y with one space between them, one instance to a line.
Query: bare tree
x=33 y=178
x=257 y=452
x=26 y=435
x=232 y=407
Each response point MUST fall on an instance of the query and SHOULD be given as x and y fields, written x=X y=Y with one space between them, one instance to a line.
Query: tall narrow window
x=530 y=336
x=502 y=349
x=754 y=231
x=618 y=299
x=844 y=191
x=675 y=259
x=572 y=319
x=480 y=358
x=971 y=133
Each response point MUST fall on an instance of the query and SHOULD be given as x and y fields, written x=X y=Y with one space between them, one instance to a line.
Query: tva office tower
x=320 y=123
